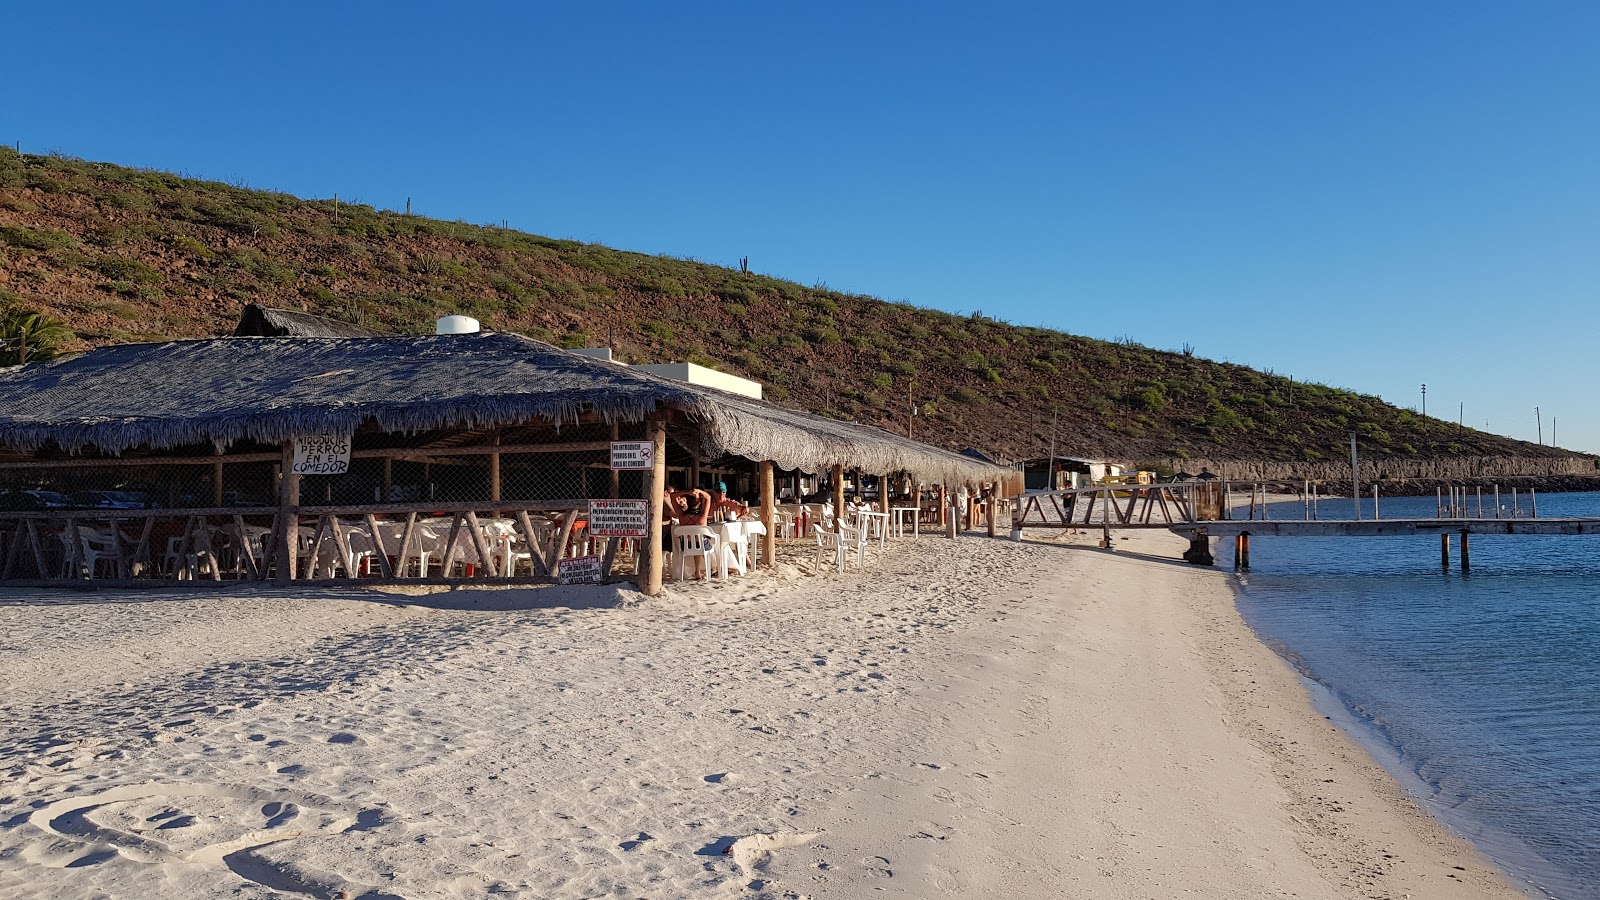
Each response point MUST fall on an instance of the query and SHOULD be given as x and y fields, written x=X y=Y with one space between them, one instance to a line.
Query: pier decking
x=1201 y=511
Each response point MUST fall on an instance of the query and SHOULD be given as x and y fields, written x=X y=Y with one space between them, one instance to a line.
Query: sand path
x=979 y=719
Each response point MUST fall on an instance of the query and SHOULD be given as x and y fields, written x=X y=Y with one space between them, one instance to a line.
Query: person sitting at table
x=693 y=508
x=722 y=503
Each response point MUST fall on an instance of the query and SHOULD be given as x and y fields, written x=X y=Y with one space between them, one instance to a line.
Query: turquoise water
x=1481 y=691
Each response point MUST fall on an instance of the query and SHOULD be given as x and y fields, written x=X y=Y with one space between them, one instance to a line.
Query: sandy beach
x=974 y=719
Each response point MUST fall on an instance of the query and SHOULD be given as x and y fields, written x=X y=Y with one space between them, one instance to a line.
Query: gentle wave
x=1481 y=689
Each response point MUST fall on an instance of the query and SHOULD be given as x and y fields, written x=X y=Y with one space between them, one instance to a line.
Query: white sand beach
x=971 y=719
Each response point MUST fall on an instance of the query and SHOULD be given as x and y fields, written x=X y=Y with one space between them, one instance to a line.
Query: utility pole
x=1540 y=423
x=1051 y=485
x=1355 y=477
x=1461 y=414
x=911 y=411
x=1553 y=432
x=1424 y=399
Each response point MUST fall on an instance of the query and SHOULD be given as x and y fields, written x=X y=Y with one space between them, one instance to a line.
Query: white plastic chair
x=690 y=541
x=828 y=543
x=97 y=547
x=854 y=539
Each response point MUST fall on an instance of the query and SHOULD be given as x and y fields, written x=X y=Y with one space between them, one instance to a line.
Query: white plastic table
x=901 y=513
x=875 y=522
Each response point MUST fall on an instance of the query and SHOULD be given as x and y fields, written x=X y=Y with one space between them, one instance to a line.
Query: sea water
x=1479 y=690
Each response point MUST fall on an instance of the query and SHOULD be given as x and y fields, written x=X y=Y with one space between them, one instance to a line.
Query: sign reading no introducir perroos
x=633 y=455
x=618 y=518
x=322 y=454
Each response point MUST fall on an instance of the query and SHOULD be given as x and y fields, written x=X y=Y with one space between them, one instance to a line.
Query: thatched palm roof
x=222 y=390
x=262 y=321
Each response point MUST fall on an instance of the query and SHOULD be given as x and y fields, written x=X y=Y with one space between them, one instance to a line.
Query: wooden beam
x=494 y=468
x=405 y=548
x=481 y=544
x=655 y=482
x=287 y=539
x=380 y=546
x=616 y=477
x=405 y=453
x=541 y=565
x=769 y=515
x=838 y=497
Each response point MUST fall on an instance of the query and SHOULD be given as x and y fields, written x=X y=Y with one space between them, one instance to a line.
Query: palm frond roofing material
x=263 y=321
x=217 y=391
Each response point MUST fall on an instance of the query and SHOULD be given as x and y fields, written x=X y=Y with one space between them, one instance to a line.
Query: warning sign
x=322 y=454
x=633 y=455
x=618 y=518
x=579 y=570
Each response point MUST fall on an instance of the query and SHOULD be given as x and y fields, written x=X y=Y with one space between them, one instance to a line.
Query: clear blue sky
x=1368 y=194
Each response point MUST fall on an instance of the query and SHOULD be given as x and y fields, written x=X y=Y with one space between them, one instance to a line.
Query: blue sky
x=1370 y=195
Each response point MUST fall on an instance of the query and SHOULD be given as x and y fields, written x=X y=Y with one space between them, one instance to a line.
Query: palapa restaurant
x=306 y=449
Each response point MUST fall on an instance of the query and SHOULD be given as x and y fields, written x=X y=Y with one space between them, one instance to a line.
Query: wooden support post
x=287 y=542
x=944 y=504
x=652 y=564
x=616 y=476
x=838 y=498
x=1444 y=550
x=216 y=483
x=388 y=479
x=989 y=504
x=769 y=516
x=1466 y=551
x=1199 y=552
x=1241 y=550
x=951 y=516
x=494 y=469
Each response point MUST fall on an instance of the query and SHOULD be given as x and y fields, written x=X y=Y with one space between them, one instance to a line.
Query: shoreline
x=980 y=718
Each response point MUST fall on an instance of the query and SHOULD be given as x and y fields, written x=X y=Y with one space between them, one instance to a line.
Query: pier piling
x=1444 y=550
x=1466 y=551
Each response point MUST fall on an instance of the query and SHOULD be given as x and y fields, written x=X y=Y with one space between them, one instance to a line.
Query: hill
x=121 y=254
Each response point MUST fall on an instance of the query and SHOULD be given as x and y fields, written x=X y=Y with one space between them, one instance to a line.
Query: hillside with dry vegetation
x=120 y=254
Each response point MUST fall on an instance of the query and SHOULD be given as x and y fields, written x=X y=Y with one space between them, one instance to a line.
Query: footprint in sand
x=219 y=826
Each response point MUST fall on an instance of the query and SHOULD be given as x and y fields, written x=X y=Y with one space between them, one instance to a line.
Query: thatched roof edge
x=223 y=390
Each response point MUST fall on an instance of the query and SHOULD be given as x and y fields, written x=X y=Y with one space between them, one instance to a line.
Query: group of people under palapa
x=696 y=506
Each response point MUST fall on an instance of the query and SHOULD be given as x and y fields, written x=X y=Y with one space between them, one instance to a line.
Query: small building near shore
x=1058 y=473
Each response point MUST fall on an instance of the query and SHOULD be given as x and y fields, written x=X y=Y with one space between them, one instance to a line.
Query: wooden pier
x=1201 y=511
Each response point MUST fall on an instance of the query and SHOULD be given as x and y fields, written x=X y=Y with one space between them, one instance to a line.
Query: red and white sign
x=618 y=518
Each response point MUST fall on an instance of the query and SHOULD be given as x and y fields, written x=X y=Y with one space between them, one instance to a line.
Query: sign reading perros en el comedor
x=633 y=455
x=321 y=454
x=618 y=518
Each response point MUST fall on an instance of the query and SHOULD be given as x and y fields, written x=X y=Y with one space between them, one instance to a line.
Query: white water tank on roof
x=457 y=325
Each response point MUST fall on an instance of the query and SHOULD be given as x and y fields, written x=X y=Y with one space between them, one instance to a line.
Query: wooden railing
x=1120 y=506
x=506 y=541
